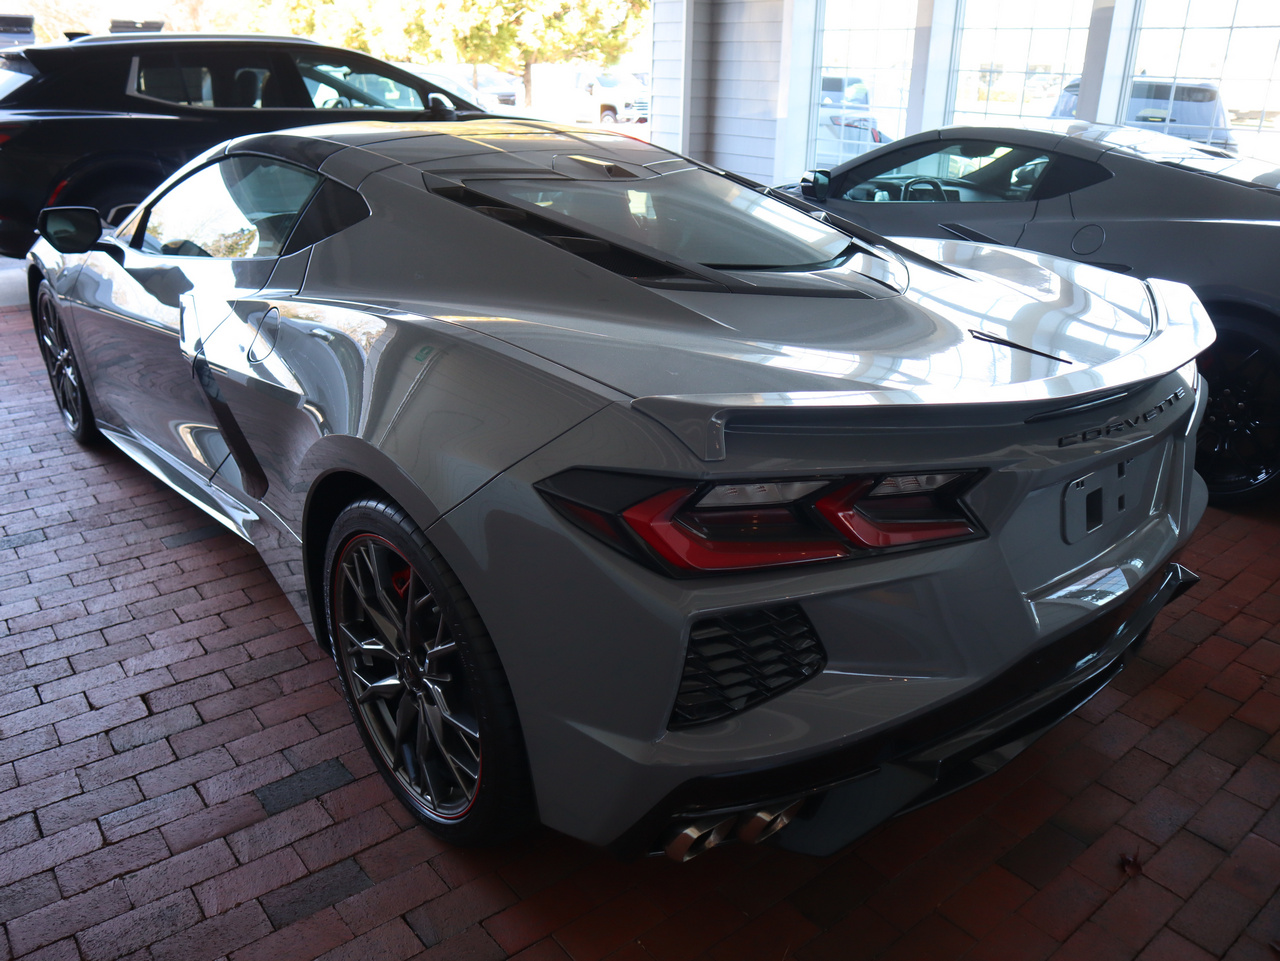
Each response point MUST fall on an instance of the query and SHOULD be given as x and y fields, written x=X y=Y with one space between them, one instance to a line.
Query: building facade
x=769 y=88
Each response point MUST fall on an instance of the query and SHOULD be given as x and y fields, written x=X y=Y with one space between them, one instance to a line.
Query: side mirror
x=71 y=230
x=441 y=107
x=815 y=185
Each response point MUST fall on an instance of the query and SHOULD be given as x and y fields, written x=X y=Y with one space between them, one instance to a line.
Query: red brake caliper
x=400 y=581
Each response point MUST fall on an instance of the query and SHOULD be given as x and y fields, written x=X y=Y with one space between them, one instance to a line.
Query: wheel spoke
x=410 y=691
x=434 y=717
x=405 y=717
x=388 y=687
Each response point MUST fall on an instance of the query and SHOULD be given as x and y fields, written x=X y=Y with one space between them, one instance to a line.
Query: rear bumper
x=931 y=754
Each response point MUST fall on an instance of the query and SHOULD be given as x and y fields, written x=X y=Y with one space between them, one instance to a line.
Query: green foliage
x=509 y=34
x=516 y=33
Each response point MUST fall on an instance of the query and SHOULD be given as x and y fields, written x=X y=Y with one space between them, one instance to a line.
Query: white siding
x=716 y=81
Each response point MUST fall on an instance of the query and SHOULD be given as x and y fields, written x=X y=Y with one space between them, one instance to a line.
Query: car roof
x=480 y=147
x=46 y=56
x=1048 y=133
x=150 y=38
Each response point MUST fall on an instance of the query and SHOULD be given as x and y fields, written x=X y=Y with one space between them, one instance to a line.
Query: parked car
x=628 y=496
x=498 y=91
x=100 y=121
x=611 y=98
x=846 y=126
x=1130 y=201
x=1179 y=108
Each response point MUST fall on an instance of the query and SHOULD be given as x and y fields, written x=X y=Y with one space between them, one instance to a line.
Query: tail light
x=8 y=131
x=689 y=527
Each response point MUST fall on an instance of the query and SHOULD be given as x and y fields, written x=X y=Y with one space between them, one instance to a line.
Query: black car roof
x=50 y=55
x=479 y=147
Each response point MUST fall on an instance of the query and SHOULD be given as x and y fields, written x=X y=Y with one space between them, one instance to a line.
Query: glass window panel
x=1209 y=13
x=1017 y=13
x=199 y=78
x=1253 y=53
x=1257 y=13
x=1019 y=68
x=1165 y=13
x=1204 y=52
x=1158 y=52
x=239 y=207
x=333 y=84
x=860 y=92
x=982 y=13
x=977 y=48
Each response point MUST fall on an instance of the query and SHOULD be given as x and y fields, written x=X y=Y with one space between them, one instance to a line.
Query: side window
x=333 y=208
x=333 y=84
x=238 y=207
x=162 y=77
x=202 y=78
x=967 y=171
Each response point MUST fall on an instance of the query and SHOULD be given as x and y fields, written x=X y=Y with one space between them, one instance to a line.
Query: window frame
x=139 y=220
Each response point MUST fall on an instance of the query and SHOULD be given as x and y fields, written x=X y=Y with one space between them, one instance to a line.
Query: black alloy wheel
x=422 y=679
x=64 y=372
x=1238 y=447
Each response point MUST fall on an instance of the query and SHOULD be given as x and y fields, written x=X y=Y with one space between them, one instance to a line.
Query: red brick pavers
x=179 y=779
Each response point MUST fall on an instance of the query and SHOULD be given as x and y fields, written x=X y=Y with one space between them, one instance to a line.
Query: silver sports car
x=630 y=497
x=1132 y=201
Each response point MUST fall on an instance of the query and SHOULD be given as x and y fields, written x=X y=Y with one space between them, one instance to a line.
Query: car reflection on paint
x=1130 y=201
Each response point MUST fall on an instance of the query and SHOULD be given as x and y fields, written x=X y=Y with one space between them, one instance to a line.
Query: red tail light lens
x=688 y=527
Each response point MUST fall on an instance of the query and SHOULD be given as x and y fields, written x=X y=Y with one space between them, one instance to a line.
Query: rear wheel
x=64 y=371
x=608 y=115
x=423 y=680
x=1238 y=447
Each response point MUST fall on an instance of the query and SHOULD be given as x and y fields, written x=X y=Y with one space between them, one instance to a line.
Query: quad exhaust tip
x=691 y=838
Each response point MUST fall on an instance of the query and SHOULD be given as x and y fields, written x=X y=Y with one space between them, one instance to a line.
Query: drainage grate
x=736 y=661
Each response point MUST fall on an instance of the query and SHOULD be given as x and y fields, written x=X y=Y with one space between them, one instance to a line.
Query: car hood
x=995 y=324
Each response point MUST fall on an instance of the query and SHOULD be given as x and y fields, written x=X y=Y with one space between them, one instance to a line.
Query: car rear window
x=691 y=214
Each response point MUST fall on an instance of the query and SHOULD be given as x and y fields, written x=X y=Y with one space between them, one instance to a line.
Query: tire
x=423 y=680
x=608 y=115
x=63 y=369
x=1238 y=447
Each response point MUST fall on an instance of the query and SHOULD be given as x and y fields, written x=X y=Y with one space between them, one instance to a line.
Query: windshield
x=692 y=215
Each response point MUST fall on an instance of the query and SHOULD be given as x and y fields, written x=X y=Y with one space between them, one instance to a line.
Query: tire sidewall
x=492 y=814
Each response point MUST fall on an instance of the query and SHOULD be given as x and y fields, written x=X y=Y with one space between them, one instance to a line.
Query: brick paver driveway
x=179 y=779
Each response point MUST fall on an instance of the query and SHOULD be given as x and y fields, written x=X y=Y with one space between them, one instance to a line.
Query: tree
x=516 y=34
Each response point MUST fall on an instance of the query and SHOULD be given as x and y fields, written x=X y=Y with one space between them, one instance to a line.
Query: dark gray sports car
x=628 y=496
x=1131 y=201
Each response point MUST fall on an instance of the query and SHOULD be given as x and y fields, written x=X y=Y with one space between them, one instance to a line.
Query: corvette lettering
x=1120 y=426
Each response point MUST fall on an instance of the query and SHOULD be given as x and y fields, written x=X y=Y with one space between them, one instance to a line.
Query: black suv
x=101 y=121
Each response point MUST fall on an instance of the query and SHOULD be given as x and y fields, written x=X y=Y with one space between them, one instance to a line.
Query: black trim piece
x=968 y=233
x=993 y=339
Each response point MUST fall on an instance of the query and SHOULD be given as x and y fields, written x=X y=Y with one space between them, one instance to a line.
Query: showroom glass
x=333 y=84
x=1230 y=49
x=865 y=53
x=693 y=215
x=239 y=207
x=1015 y=58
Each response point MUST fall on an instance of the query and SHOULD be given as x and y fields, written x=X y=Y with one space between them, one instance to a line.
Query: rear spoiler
x=1181 y=331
